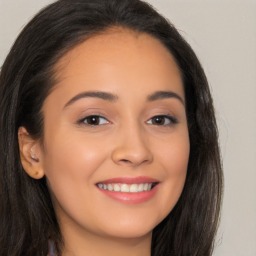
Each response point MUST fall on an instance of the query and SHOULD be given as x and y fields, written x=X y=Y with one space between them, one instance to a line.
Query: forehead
x=127 y=56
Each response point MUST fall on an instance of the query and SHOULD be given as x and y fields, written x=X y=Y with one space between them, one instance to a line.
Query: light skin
x=141 y=131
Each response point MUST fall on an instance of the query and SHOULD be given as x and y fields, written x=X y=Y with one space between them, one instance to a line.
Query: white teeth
x=145 y=187
x=110 y=188
x=126 y=188
x=117 y=188
x=141 y=187
x=134 y=188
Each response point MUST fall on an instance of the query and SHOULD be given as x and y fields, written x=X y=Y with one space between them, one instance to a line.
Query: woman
x=108 y=136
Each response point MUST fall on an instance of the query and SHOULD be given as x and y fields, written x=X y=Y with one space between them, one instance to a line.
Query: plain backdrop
x=223 y=34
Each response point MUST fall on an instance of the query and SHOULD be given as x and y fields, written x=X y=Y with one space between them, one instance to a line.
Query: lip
x=130 y=198
x=130 y=180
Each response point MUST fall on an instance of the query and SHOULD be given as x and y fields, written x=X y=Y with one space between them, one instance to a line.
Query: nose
x=132 y=148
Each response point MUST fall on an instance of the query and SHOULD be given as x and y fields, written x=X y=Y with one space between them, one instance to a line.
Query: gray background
x=223 y=34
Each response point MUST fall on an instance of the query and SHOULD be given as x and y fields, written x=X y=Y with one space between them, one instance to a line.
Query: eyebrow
x=93 y=94
x=159 y=95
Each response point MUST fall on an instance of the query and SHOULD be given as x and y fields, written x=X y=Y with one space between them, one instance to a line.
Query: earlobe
x=30 y=154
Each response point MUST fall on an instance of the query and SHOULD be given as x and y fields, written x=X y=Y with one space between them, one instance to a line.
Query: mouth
x=128 y=189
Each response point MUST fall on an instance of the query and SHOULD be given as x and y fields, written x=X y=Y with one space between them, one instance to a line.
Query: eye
x=94 y=120
x=162 y=120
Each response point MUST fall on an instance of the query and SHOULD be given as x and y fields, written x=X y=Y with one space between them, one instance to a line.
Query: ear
x=30 y=154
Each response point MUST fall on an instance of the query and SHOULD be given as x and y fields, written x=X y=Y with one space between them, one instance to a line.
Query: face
x=116 y=145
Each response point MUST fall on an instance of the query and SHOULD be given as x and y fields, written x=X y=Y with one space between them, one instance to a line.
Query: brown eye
x=158 y=120
x=94 y=120
x=162 y=120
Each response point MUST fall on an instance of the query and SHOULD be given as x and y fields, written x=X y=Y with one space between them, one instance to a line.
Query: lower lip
x=131 y=198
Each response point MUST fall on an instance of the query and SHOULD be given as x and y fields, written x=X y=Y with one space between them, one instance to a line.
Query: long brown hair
x=27 y=216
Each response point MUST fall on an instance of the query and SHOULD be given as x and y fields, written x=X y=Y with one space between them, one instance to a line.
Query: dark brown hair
x=27 y=216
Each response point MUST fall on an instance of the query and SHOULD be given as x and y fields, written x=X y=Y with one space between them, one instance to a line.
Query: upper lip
x=130 y=180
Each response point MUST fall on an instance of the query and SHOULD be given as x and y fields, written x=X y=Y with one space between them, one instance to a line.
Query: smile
x=129 y=190
x=126 y=188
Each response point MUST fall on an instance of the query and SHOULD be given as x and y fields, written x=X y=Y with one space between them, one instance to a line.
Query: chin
x=130 y=229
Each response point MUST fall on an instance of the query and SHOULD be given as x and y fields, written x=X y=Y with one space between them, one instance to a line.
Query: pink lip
x=130 y=198
x=130 y=180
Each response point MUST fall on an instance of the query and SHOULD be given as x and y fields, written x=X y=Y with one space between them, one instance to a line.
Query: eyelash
x=171 y=120
x=98 y=118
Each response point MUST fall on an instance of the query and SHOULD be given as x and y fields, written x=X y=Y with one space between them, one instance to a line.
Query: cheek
x=70 y=163
x=173 y=153
x=174 y=160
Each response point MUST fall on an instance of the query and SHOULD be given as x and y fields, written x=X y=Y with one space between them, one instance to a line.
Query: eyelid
x=172 y=120
x=82 y=120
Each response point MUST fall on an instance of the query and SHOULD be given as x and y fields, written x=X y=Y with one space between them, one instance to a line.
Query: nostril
x=131 y=156
x=125 y=160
